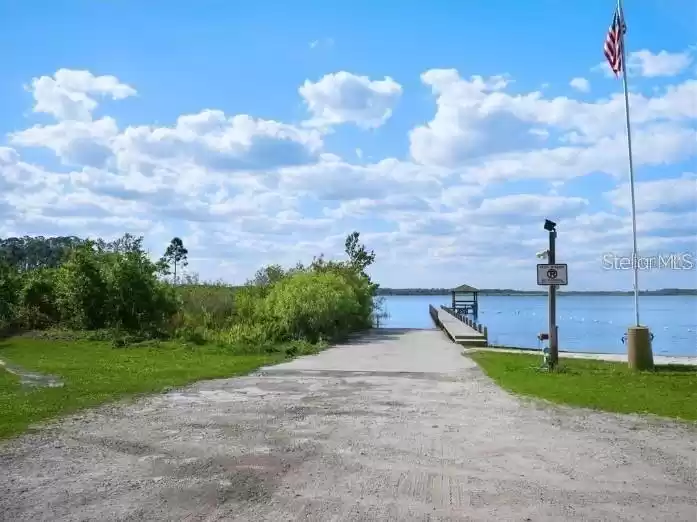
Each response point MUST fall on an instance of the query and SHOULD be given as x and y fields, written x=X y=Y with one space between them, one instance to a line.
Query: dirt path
x=398 y=426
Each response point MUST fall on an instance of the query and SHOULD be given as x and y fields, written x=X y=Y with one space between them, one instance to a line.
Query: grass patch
x=668 y=391
x=95 y=372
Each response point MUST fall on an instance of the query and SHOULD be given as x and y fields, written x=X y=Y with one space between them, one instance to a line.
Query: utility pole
x=553 y=339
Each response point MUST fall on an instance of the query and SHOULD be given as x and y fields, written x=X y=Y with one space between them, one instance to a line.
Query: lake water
x=586 y=323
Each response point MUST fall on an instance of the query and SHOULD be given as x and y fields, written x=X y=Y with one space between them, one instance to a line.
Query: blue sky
x=265 y=132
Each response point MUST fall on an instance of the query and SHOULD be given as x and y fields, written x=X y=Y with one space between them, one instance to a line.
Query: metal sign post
x=553 y=341
x=551 y=275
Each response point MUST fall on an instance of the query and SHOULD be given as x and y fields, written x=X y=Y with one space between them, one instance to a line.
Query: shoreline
x=687 y=360
x=532 y=293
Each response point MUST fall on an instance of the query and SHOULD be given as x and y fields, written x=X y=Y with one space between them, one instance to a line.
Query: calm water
x=586 y=323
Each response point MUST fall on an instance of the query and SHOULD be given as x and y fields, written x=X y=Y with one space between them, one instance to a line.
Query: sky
x=444 y=132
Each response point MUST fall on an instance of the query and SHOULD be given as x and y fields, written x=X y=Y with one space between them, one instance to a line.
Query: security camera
x=542 y=254
x=550 y=225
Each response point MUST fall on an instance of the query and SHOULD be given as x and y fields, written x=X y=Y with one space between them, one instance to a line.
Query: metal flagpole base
x=639 y=352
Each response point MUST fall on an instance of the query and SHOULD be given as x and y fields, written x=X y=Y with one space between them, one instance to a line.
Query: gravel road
x=396 y=426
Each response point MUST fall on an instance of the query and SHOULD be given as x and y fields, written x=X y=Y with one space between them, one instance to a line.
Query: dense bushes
x=91 y=289
x=37 y=305
x=115 y=286
x=81 y=291
x=326 y=300
x=10 y=287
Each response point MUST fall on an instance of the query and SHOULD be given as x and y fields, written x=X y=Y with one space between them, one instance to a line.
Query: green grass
x=669 y=391
x=95 y=372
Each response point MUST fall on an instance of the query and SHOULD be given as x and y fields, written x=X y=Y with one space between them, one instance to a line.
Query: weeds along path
x=396 y=425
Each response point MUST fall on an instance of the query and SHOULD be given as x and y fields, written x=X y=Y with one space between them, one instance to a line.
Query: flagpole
x=635 y=256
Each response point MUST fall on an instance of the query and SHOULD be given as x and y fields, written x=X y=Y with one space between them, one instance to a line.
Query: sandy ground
x=397 y=426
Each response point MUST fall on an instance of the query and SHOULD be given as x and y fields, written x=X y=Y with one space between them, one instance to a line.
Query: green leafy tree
x=175 y=256
x=81 y=291
x=362 y=287
x=268 y=276
x=31 y=253
x=123 y=245
x=10 y=284
x=359 y=257
x=37 y=299
x=137 y=300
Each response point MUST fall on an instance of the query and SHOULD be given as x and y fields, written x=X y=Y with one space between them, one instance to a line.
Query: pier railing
x=468 y=321
x=434 y=316
x=462 y=329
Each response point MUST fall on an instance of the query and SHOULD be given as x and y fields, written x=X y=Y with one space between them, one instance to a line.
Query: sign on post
x=548 y=275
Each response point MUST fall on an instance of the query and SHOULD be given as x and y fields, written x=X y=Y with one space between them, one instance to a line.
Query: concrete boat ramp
x=393 y=426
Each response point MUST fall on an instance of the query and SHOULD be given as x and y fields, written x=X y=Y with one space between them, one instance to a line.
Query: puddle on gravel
x=32 y=379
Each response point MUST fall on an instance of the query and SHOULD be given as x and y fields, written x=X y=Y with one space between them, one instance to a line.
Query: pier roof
x=465 y=288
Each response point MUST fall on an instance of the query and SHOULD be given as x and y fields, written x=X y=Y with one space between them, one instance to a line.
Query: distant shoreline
x=512 y=293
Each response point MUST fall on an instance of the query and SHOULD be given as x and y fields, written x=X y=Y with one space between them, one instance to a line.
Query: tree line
x=34 y=253
x=86 y=284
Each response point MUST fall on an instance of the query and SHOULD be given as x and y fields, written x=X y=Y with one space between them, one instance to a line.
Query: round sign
x=552 y=273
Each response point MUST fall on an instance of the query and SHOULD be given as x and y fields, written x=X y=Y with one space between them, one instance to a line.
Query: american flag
x=614 y=41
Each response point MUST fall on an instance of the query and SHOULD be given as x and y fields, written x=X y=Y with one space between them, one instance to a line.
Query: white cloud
x=661 y=194
x=343 y=97
x=650 y=65
x=476 y=118
x=647 y=64
x=209 y=138
x=532 y=206
x=69 y=94
x=76 y=142
x=16 y=175
x=456 y=129
x=336 y=181
x=244 y=191
x=580 y=84
x=215 y=141
x=654 y=145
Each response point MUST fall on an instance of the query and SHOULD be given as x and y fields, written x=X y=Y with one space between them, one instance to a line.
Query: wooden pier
x=460 y=328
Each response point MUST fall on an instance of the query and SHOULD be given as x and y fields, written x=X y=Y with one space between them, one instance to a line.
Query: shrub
x=311 y=306
x=249 y=304
x=81 y=292
x=211 y=306
x=10 y=284
x=136 y=300
x=364 y=290
x=99 y=288
x=261 y=334
x=37 y=306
